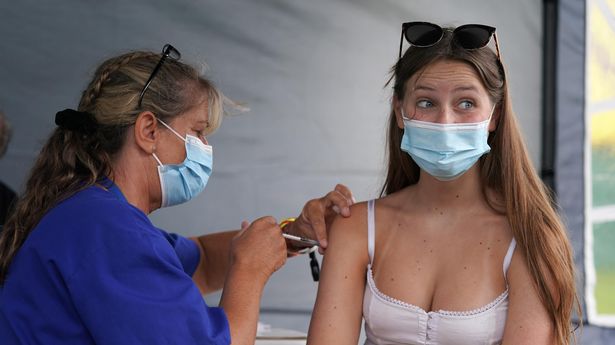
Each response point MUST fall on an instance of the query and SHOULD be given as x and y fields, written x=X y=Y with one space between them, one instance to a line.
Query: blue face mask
x=445 y=151
x=182 y=182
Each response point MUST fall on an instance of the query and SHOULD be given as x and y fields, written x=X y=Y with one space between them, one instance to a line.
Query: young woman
x=464 y=246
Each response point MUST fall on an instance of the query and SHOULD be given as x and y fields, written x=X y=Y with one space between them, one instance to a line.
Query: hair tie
x=76 y=121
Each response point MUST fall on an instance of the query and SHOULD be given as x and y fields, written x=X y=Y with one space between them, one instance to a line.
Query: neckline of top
x=410 y=306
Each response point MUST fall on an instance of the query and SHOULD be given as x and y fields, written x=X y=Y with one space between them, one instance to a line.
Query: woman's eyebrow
x=460 y=88
x=424 y=87
x=465 y=88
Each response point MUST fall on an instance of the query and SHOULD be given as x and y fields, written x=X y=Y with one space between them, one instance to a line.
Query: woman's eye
x=466 y=105
x=424 y=104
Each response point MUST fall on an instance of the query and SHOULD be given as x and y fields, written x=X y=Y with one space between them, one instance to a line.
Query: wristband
x=285 y=222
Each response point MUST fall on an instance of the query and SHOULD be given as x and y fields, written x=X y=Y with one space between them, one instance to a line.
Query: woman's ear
x=397 y=104
x=146 y=131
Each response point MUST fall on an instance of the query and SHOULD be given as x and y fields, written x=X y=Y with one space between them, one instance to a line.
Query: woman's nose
x=444 y=115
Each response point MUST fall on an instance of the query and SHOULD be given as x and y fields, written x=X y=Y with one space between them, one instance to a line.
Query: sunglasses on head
x=168 y=52
x=469 y=36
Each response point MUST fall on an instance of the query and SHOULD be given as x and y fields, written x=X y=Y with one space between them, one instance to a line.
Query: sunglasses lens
x=473 y=36
x=423 y=34
x=170 y=51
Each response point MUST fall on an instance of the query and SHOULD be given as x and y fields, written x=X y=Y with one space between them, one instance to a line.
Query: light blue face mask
x=182 y=182
x=445 y=151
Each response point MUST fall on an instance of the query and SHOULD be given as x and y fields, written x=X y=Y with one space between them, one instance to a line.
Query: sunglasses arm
x=401 y=42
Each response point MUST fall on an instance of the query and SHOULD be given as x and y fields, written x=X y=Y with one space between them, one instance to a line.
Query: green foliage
x=605 y=291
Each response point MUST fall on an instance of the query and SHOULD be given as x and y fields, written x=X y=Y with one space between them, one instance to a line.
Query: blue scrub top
x=95 y=270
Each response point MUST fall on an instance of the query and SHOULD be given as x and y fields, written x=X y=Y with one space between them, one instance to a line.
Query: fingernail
x=354 y=201
x=336 y=209
x=346 y=211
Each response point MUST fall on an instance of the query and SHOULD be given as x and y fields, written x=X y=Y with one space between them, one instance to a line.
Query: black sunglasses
x=168 y=52
x=469 y=36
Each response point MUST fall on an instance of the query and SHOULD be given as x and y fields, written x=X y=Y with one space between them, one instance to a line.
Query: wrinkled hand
x=259 y=247
x=317 y=215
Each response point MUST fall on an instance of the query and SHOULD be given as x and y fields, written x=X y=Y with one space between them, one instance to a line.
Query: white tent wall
x=312 y=72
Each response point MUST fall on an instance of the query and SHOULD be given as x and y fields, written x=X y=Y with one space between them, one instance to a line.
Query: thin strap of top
x=371 y=230
x=508 y=258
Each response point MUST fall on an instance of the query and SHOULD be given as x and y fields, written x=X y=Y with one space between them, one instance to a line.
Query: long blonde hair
x=508 y=171
x=71 y=161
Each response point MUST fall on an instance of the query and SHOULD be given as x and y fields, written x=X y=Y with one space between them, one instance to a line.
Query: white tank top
x=391 y=321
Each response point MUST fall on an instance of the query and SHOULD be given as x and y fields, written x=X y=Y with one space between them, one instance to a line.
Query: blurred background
x=313 y=74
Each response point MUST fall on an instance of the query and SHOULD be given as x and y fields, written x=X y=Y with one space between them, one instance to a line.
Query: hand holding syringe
x=303 y=240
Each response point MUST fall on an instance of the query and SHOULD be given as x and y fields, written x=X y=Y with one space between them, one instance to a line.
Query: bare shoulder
x=518 y=273
x=528 y=319
x=520 y=277
x=349 y=234
x=351 y=227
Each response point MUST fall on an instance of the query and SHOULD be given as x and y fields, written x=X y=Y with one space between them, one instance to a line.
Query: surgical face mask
x=445 y=151
x=182 y=182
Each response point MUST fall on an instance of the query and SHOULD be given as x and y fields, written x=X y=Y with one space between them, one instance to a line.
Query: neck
x=462 y=192
x=134 y=181
x=131 y=192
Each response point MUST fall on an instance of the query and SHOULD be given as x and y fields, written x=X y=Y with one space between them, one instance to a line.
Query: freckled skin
x=460 y=277
x=445 y=76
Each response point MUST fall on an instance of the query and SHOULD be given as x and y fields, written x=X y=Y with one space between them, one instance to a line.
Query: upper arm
x=214 y=260
x=337 y=314
x=199 y=277
x=528 y=320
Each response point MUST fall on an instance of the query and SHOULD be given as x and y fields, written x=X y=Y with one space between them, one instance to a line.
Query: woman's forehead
x=446 y=74
x=196 y=115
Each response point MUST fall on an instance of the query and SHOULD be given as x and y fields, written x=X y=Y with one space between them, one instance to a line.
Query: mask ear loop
x=157 y=159
x=174 y=132
x=491 y=115
x=171 y=129
x=403 y=114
